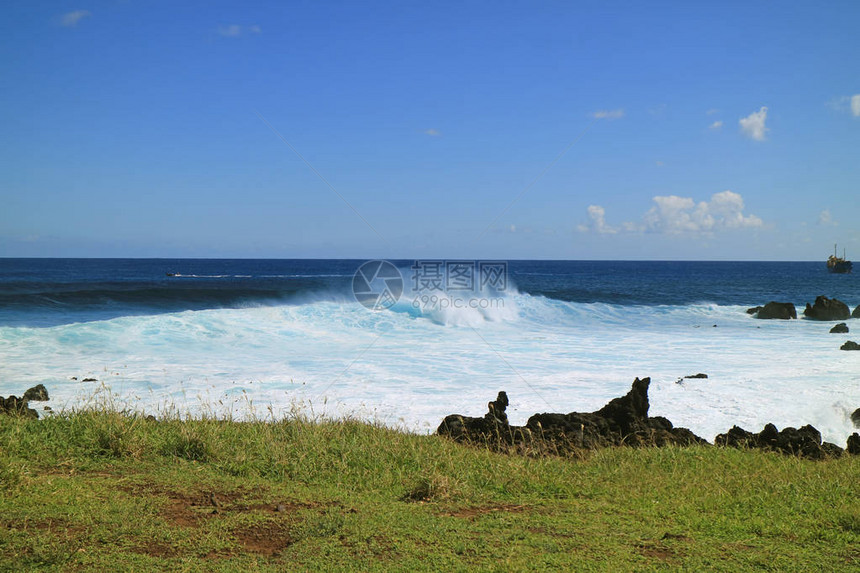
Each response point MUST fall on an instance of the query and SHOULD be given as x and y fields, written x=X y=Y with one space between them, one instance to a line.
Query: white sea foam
x=409 y=367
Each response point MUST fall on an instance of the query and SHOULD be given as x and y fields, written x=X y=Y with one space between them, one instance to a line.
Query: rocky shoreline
x=624 y=421
x=14 y=405
x=823 y=309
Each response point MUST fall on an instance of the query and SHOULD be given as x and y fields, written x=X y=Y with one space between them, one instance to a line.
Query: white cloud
x=671 y=214
x=432 y=132
x=235 y=30
x=717 y=124
x=597 y=222
x=846 y=104
x=230 y=31
x=839 y=103
x=727 y=207
x=71 y=19
x=753 y=124
x=608 y=114
x=712 y=111
x=674 y=215
x=824 y=218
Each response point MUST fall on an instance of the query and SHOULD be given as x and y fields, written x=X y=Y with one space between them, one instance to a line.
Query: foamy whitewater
x=325 y=354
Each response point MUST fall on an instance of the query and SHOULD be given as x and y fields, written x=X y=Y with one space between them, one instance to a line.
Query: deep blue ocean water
x=45 y=292
x=271 y=337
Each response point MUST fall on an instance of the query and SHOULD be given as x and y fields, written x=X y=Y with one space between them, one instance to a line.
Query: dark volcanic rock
x=850 y=345
x=631 y=408
x=780 y=310
x=827 y=309
x=754 y=309
x=804 y=441
x=829 y=450
x=699 y=376
x=16 y=406
x=493 y=424
x=37 y=393
x=737 y=437
x=855 y=418
x=840 y=328
x=856 y=313
x=853 y=444
x=623 y=421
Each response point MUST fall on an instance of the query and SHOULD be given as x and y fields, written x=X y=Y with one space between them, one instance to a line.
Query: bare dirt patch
x=675 y=536
x=156 y=549
x=267 y=539
x=180 y=511
x=57 y=527
x=188 y=510
x=191 y=509
x=472 y=512
x=550 y=533
x=655 y=551
x=660 y=550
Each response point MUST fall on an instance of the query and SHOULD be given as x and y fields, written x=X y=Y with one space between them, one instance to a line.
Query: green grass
x=98 y=490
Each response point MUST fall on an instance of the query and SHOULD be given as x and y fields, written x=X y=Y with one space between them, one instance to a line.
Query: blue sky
x=666 y=130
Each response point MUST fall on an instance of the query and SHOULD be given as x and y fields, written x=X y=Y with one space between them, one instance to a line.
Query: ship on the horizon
x=838 y=264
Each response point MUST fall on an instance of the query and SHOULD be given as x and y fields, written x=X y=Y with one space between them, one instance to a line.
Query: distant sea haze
x=254 y=337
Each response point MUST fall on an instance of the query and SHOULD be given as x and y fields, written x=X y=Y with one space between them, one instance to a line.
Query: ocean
x=271 y=338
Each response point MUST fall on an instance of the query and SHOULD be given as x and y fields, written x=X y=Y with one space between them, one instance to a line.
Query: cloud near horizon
x=597 y=221
x=71 y=19
x=753 y=125
x=673 y=215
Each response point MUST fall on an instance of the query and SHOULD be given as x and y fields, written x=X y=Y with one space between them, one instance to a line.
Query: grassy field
x=99 y=490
